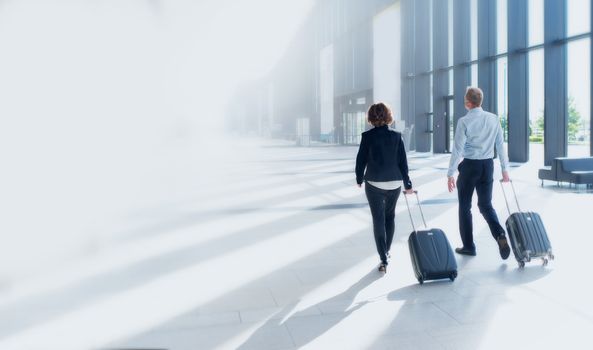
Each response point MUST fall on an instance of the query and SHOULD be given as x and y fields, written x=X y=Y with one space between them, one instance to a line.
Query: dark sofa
x=571 y=170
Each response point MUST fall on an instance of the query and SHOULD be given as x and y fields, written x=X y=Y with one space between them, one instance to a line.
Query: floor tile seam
x=291 y=336
x=495 y=293
x=273 y=297
x=291 y=317
x=459 y=323
x=434 y=339
x=437 y=299
x=262 y=321
x=444 y=345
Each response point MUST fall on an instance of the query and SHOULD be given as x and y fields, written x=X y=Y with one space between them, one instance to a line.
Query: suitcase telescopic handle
x=505 y=196
x=410 y=211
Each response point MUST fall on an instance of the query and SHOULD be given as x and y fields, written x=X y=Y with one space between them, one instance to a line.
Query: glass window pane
x=474 y=29
x=502 y=107
x=578 y=16
x=431 y=38
x=450 y=81
x=536 y=22
x=474 y=71
x=501 y=25
x=579 y=105
x=536 y=103
x=450 y=32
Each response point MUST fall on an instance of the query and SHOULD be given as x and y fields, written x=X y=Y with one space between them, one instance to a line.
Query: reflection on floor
x=279 y=255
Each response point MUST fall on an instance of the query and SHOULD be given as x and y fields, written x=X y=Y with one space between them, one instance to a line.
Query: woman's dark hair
x=379 y=114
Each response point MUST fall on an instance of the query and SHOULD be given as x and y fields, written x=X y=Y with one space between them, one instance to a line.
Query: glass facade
x=474 y=30
x=536 y=22
x=532 y=58
x=527 y=40
x=501 y=25
x=579 y=94
x=450 y=33
x=578 y=17
x=501 y=97
x=536 y=96
x=474 y=71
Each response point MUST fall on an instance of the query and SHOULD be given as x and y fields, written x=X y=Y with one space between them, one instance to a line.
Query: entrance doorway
x=354 y=125
x=449 y=124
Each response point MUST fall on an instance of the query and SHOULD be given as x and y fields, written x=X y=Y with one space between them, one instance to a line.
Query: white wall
x=111 y=112
x=387 y=58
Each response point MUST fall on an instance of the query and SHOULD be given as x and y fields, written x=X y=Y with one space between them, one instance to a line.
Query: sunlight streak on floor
x=129 y=312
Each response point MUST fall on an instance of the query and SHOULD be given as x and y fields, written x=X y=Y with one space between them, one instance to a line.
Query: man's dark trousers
x=382 y=204
x=478 y=175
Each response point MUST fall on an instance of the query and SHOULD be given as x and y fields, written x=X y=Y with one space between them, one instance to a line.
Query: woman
x=383 y=155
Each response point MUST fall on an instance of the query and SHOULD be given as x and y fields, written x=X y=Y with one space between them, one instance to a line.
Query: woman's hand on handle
x=409 y=191
x=505 y=176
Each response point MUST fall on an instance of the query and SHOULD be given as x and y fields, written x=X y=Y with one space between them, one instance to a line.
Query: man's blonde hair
x=474 y=95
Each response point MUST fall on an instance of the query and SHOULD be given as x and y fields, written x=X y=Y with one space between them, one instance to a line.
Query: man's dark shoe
x=465 y=251
x=503 y=247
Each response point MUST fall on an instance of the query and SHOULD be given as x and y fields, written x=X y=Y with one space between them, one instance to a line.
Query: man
x=478 y=133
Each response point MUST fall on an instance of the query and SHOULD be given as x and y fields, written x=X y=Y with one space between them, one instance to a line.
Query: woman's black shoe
x=382 y=268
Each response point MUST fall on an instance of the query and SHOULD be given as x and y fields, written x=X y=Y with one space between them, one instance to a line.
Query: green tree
x=505 y=125
x=539 y=122
x=574 y=120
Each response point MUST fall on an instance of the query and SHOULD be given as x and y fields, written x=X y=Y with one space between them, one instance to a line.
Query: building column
x=440 y=79
x=461 y=55
x=422 y=80
x=518 y=90
x=555 y=85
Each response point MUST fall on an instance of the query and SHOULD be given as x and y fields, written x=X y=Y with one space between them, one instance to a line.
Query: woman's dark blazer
x=383 y=154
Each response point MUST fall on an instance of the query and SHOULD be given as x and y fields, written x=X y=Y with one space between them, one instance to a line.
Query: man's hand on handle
x=505 y=176
x=451 y=183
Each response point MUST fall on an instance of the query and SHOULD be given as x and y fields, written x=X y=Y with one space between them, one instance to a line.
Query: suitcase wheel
x=453 y=276
x=421 y=280
x=544 y=261
x=551 y=256
x=521 y=264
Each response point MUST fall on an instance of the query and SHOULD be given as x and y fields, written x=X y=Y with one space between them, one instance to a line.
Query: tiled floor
x=277 y=253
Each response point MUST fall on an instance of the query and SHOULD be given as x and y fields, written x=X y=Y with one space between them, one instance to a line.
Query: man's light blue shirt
x=476 y=136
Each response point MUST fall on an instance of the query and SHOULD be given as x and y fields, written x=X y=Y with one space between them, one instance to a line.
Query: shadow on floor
x=455 y=320
x=342 y=301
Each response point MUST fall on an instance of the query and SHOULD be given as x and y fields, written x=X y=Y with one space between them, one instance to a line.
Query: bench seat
x=572 y=170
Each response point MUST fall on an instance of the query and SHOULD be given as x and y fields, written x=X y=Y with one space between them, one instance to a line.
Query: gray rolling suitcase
x=430 y=251
x=527 y=234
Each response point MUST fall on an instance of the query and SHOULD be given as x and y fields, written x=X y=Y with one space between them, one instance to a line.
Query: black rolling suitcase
x=430 y=251
x=527 y=234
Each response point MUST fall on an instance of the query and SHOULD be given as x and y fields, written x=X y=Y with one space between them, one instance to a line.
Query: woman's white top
x=387 y=185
